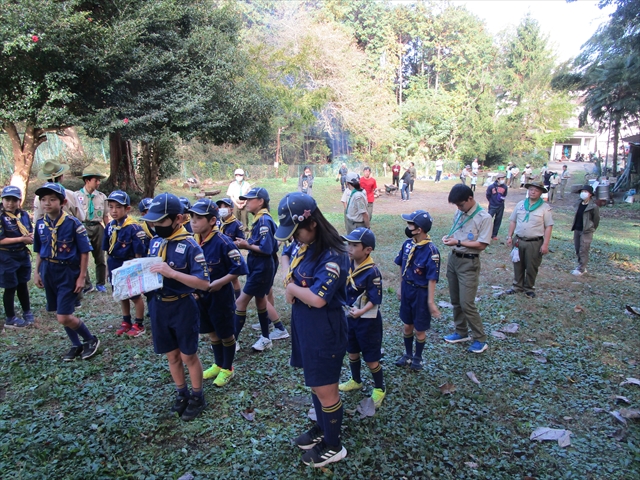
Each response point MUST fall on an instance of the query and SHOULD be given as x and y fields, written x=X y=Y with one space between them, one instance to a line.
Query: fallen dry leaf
x=565 y=440
x=312 y=414
x=633 y=310
x=447 y=388
x=510 y=328
x=472 y=377
x=579 y=309
x=248 y=414
x=366 y=408
x=498 y=335
x=621 y=399
x=559 y=434
x=631 y=380
x=540 y=359
x=471 y=464
x=630 y=412
x=619 y=417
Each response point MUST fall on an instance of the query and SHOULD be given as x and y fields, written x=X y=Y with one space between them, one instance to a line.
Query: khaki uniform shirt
x=100 y=206
x=236 y=189
x=539 y=219
x=356 y=206
x=71 y=207
x=478 y=228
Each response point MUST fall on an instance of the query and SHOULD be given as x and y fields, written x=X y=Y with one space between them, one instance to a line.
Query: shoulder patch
x=234 y=254
x=200 y=258
x=264 y=230
x=435 y=258
x=333 y=268
x=81 y=229
x=141 y=235
x=377 y=281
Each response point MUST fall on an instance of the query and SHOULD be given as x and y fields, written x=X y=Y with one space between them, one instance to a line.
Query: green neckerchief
x=349 y=202
x=91 y=210
x=529 y=210
x=455 y=227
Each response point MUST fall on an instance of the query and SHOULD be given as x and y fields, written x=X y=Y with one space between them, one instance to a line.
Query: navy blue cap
x=49 y=188
x=143 y=206
x=257 y=192
x=119 y=196
x=205 y=207
x=11 y=191
x=226 y=201
x=361 y=235
x=294 y=209
x=161 y=206
x=185 y=203
x=421 y=218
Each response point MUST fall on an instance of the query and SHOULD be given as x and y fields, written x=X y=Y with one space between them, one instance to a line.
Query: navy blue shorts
x=174 y=325
x=318 y=343
x=15 y=268
x=414 y=307
x=260 y=278
x=216 y=312
x=59 y=284
x=365 y=336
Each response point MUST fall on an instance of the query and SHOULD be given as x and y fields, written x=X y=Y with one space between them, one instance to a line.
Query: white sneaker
x=576 y=272
x=262 y=344
x=237 y=346
x=278 y=334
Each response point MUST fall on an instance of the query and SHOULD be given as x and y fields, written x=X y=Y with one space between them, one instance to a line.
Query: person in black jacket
x=585 y=223
x=496 y=193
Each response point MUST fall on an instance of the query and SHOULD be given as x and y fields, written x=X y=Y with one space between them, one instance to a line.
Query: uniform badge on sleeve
x=234 y=255
x=333 y=268
x=81 y=229
x=199 y=257
x=181 y=248
x=264 y=230
x=141 y=235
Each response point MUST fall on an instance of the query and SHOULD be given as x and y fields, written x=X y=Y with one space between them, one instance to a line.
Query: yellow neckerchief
x=229 y=220
x=414 y=245
x=54 y=231
x=295 y=261
x=114 y=232
x=365 y=265
x=259 y=215
x=180 y=234
x=23 y=229
x=147 y=230
x=212 y=234
x=188 y=218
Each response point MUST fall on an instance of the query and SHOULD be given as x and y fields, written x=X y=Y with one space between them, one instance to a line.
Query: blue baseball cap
x=205 y=207
x=143 y=206
x=257 y=192
x=294 y=209
x=421 y=218
x=226 y=201
x=120 y=197
x=161 y=206
x=361 y=235
x=185 y=203
x=11 y=191
x=49 y=188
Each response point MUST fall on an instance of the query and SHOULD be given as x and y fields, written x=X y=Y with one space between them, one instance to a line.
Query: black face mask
x=409 y=233
x=164 y=232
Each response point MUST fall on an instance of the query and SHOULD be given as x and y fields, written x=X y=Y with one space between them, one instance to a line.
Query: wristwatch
x=459 y=244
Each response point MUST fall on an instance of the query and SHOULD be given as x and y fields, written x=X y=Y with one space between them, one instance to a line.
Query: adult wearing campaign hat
x=585 y=223
x=237 y=188
x=496 y=193
x=93 y=203
x=53 y=172
x=530 y=227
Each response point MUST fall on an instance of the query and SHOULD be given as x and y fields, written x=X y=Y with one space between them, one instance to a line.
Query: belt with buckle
x=532 y=239
x=173 y=298
x=60 y=262
x=92 y=224
x=465 y=255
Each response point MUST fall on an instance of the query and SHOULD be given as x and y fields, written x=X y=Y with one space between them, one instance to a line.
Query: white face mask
x=224 y=212
x=584 y=195
x=501 y=181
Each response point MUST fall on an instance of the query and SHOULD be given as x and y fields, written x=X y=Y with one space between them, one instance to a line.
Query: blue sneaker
x=101 y=289
x=28 y=317
x=416 y=364
x=456 y=338
x=15 y=322
x=404 y=361
x=478 y=347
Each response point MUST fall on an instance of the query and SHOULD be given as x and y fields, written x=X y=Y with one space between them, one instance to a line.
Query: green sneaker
x=211 y=372
x=223 y=377
x=378 y=396
x=349 y=386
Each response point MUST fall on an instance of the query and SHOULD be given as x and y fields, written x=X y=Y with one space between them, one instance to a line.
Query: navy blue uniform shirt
x=424 y=265
x=368 y=282
x=72 y=239
x=9 y=229
x=130 y=241
x=184 y=256
x=233 y=229
x=223 y=258
x=262 y=233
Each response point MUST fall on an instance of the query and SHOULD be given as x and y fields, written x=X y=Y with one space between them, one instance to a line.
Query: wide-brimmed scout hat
x=361 y=235
x=539 y=185
x=293 y=209
x=52 y=170
x=92 y=171
x=585 y=188
x=421 y=218
x=163 y=205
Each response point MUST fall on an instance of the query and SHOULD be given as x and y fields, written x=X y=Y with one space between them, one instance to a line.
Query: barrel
x=603 y=191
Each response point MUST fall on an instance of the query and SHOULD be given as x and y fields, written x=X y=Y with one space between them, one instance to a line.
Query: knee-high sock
x=84 y=332
x=420 y=346
x=378 y=377
x=228 y=353
x=238 y=319
x=263 y=318
x=216 y=347
x=318 y=407
x=355 y=369
x=332 y=418
x=8 y=301
x=73 y=336
x=23 y=296
x=408 y=344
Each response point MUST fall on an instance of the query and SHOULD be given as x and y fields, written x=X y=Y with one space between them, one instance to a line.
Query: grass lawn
x=109 y=417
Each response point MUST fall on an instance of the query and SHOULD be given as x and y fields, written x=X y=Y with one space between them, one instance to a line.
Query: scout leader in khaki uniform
x=468 y=237
x=531 y=222
x=94 y=205
x=53 y=172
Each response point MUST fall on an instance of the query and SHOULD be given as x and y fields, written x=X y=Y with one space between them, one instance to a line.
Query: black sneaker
x=73 y=353
x=310 y=438
x=90 y=348
x=180 y=405
x=323 y=454
x=530 y=294
x=194 y=408
x=416 y=364
x=404 y=360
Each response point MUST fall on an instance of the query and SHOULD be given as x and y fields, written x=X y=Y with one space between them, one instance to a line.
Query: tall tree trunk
x=70 y=138
x=24 y=151
x=122 y=175
x=150 y=163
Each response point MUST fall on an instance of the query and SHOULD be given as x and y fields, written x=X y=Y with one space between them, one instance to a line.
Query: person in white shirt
x=474 y=166
x=237 y=188
x=439 y=164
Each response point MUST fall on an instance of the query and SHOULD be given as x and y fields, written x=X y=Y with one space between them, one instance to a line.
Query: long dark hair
x=327 y=237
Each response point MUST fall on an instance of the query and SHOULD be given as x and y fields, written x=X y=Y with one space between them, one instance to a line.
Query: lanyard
x=454 y=229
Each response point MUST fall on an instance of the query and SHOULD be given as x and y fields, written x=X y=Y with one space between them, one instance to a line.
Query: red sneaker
x=124 y=328
x=136 y=330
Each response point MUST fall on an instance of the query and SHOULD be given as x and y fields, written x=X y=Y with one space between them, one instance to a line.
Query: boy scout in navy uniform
x=186 y=220
x=419 y=262
x=468 y=237
x=364 y=296
x=217 y=305
x=143 y=207
x=62 y=254
x=175 y=316
x=124 y=240
x=231 y=227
